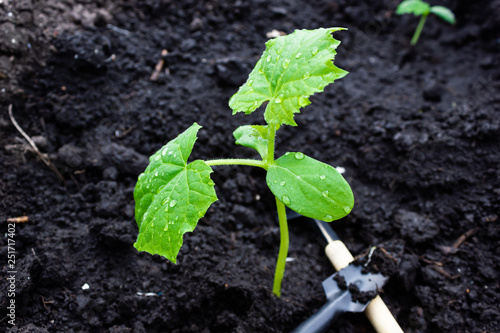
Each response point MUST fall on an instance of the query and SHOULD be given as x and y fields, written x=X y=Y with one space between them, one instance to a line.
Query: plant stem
x=420 y=26
x=237 y=161
x=271 y=137
x=283 y=252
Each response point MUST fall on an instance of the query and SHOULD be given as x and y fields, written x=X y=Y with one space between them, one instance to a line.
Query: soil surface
x=416 y=129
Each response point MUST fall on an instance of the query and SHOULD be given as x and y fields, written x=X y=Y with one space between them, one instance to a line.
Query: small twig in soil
x=123 y=134
x=445 y=273
x=46 y=302
x=43 y=157
x=19 y=219
x=462 y=238
x=159 y=66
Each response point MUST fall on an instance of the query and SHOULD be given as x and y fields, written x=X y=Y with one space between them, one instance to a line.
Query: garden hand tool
x=348 y=290
x=376 y=311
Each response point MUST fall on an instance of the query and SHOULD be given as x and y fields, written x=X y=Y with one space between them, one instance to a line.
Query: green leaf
x=253 y=136
x=444 y=13
x=291 y=69
x=171 y=196
x=310 y=187
x=415 y=7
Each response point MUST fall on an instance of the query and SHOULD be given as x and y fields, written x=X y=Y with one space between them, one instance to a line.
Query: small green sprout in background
x=171 y=195
x=420 y=8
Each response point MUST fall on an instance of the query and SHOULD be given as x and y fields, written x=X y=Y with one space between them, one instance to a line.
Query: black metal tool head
x=353 y=288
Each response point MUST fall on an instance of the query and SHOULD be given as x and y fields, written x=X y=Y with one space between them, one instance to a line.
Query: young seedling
x=172 y=194
x=423 y=9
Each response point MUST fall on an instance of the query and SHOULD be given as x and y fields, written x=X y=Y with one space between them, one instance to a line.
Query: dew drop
x=177 y=218
x=170 y=222
x=170 y=152
x=156 y=174
x=157 y=157
x=325 y=193
x=322 y=177
x=306 y=75
x=328 y=218
x=314 y=51
x=285 y=63
x=347 y=209
x=173 y=203
x=250 y=82
x=165 y=201
x=278 y=99
x=303 y=101
x=210 y=182
x=299 y=156
x=280 y=50
x=329 y=76
x=286 y=200
x=298 y=55
x=283 y=183
x=164 y=152
x=166 y=227
x=166 y=209
x=268 y=59
x=287 y=153
x=152 y=225
x=141 y=176
x=255 y=104
x=261 y=71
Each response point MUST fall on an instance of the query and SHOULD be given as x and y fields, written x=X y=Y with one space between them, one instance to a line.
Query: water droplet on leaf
x=173 y=203
x=278 y=99
x=347 y=209
x=299 y=156
x=285 y=63
x=268 y=58
x=166 y=227
x=286 y=200
x=328 y=218
x=303 y=101
x=322 y=177
x=250 y=82
x=298 y=55
x=314 y=51
x=283 y=183
x=287 y=153
x=325 y=193
x=157 y=157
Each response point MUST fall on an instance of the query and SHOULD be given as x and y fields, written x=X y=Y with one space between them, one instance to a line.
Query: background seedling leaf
x=444 y=13
x=415 y=7
x=171 y=196
x=310 y=187
x=253 y=136
x=291 y=69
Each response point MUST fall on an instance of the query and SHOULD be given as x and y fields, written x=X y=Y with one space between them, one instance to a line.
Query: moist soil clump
x=416 y=130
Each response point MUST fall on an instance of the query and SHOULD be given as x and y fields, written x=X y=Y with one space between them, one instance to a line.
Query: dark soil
x=417 y=130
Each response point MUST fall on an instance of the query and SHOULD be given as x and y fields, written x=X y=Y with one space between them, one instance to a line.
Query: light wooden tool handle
x=377 y=312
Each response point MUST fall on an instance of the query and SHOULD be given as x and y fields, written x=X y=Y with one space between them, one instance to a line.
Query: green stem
x=283 y=252
x=420 y=26
x=237 y=161
x=270 y=143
